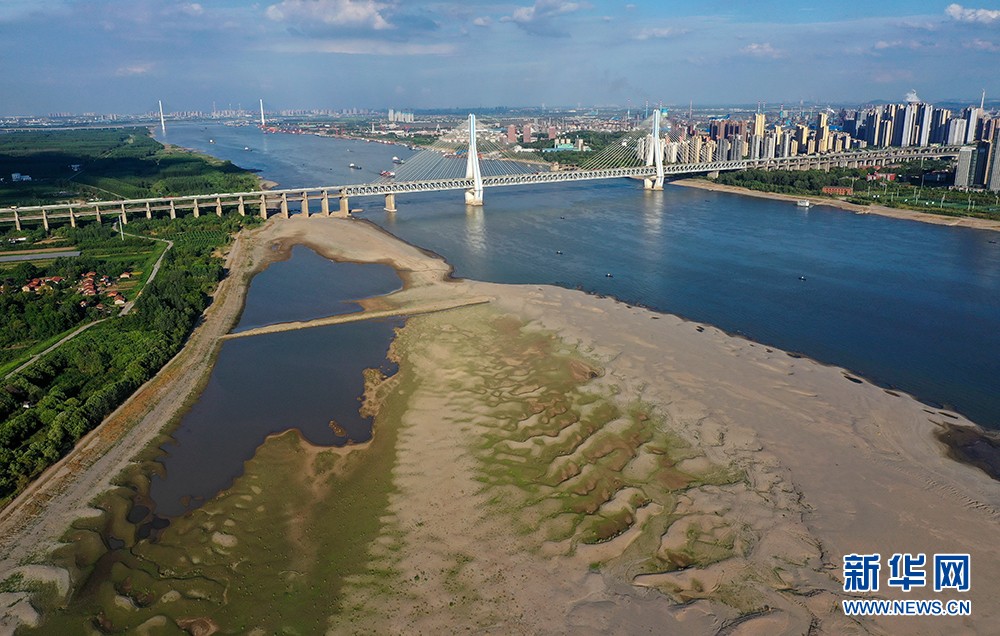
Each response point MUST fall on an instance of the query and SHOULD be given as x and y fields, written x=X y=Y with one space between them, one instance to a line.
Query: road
x=156 y=268
x=38 y=256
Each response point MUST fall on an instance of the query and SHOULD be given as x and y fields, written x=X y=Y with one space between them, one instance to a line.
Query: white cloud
x=983 y=16
x=983 y=45
x=11 y=10
x=131 y=70
x=352 y=13
x=192 y=9
x=482 y=21
x=898 y=44
x=762 y=49
x=360 y=47
x=659 y=33
x=535 y=17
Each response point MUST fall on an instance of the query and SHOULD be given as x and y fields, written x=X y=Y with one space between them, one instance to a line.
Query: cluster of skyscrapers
x=730 y=140
x=901 y=125
x=528 y=131
x=918 y=124
x=400 y=117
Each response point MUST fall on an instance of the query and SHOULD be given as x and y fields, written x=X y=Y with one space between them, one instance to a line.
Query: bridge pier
x=284 y=205
x=242 y=208
x=72 y=218
x=345 y=207
x=305 y=204
x=218 y=206
x=473 y=197
x=149 y=211
x=124 y=215
x=173 y=210
x=17 y=221
x=196 y=210
x=45 y=220
x=390 y=203
x=714 y=174
x=263 y=206
x=97 y=213
x=324 y=204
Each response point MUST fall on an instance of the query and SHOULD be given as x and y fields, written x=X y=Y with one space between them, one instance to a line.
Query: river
x=910 y=305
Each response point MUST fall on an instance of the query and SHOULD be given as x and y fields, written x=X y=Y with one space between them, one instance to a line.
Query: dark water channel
x=263 y=385
x=308 y=286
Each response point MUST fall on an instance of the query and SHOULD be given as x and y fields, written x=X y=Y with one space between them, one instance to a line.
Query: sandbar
x=566 y=463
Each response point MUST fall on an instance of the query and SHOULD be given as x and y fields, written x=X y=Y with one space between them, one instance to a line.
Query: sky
x=123 y=55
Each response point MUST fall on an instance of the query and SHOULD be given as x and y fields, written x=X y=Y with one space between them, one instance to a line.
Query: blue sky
x=123 y=55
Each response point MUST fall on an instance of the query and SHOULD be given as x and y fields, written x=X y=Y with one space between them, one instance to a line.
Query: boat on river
x=803 y=203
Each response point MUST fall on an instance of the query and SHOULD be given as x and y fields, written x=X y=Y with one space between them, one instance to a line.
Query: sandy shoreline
x=780 y=466
x=896 y=213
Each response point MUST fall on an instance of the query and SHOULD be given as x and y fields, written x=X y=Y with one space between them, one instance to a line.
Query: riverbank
x=896 y=213
x=568 y=463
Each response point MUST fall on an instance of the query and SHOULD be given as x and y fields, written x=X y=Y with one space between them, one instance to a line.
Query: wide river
x=906 y=304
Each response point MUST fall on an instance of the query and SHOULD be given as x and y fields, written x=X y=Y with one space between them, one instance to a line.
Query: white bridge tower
x=654 y=155
x=473 y=196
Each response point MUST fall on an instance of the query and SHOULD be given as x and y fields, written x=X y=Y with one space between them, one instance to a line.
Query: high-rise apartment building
x=972 y=115
x=992 y=181
x=964 y=168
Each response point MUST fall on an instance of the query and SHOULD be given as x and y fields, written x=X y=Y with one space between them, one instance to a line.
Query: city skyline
x=116 y=56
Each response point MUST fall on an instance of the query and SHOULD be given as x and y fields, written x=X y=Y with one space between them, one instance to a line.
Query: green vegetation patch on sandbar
x=268 y=555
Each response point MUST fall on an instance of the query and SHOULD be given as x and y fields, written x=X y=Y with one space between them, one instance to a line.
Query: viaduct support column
x=72 y=218
x=263 y=206
x=173 y=209
x=45 y=220
x=390 y=203
x=325 y=203
x=124 y=215
x=305 y=204
x=149 y=211
x=97 y=213
x=197 y=211
x=17 y=221
x=284 y=204
x=242 y=207
x=345 y=207
x=714 y=174
x=218 y=206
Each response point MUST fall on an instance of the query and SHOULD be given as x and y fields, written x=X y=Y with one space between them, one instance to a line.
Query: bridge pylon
x=654 y=155
x=474 y=195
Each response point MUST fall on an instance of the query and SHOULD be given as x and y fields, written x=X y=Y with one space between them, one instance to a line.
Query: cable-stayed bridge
x=471 y=160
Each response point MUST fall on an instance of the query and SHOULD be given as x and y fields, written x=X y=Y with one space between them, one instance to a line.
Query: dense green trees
x=123 y=162
x=793 y=181
x=46 y=409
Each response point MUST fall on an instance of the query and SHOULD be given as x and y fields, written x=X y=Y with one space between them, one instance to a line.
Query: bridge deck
x=265 y=200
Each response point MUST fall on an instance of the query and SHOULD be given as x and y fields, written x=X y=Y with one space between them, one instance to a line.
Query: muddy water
x=308 y=286
x=310 y=379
